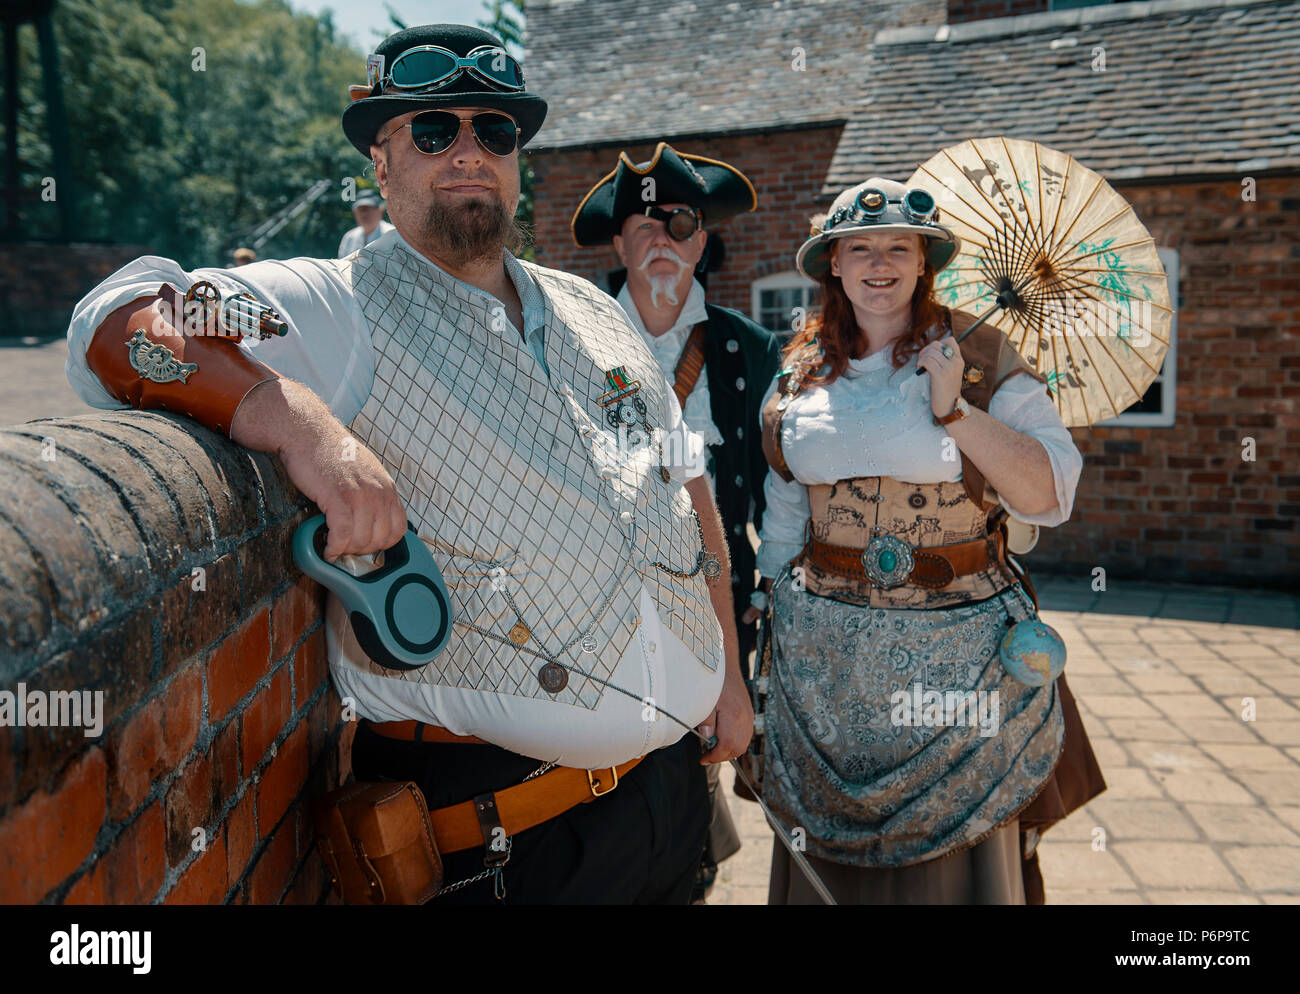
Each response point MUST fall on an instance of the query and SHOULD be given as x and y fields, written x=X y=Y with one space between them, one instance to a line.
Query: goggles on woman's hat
x=879 y=205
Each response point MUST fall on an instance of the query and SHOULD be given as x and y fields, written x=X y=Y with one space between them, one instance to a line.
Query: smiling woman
x=884 y=549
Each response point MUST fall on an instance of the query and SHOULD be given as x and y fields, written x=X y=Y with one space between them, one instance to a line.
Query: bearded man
x=435 y=377
x=719 y=362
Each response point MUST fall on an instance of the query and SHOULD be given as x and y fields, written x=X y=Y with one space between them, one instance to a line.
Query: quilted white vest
x=544 y=531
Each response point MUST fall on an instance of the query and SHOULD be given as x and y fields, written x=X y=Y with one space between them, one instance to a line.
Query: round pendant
x=553 y=677
x=712 y=567
x=887 y=561
x=519 y=633
x=627 y=414
x=589 y=643
x=664 y=474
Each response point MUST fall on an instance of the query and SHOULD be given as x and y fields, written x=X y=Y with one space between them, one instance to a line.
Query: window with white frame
x=774 y=300
x=1156 y=408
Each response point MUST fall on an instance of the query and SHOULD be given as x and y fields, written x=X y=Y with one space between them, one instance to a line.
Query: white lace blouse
x=876 y=421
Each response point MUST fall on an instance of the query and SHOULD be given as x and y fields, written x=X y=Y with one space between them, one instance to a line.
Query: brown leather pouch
x=377 y=841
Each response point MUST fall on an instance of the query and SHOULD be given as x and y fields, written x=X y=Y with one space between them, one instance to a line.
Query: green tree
x=506 y=21
x=189 y=124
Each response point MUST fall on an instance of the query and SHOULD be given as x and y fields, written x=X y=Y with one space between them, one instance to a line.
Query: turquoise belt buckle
x=400 y=612
x=887 y=561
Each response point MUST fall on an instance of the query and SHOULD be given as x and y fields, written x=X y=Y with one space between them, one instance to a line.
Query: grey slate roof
x=628 y=70
x=1189 y=89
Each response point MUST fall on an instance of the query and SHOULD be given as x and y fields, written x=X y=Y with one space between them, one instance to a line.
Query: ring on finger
x=947 y=351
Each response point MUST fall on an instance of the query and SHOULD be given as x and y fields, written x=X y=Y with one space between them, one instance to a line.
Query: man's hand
x=345 y=479
x=752 y=613
x=732 y=720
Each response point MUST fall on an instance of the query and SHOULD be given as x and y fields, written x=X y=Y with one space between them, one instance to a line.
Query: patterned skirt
x=894 y=737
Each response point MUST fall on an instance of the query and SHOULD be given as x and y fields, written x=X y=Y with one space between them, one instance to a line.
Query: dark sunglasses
x=682 y=222
x=435 y=131
x=433 y=67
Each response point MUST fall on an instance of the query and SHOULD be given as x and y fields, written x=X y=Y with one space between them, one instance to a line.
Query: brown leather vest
x=851 y=511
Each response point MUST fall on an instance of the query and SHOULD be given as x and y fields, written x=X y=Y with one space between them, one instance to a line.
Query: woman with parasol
x=895 y=742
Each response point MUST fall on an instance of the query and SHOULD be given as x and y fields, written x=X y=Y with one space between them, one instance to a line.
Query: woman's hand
x=945 y=374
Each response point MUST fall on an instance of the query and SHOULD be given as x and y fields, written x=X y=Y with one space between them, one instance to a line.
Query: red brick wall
x=786 y=169
x=1174 y=503
x=40 y=282
x=219 y=713
x=960 y=11
x=1180 y=503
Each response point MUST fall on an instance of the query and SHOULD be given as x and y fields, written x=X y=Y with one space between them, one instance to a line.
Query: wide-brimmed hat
x=877 y=205
x=371 y=108
x=718 y=190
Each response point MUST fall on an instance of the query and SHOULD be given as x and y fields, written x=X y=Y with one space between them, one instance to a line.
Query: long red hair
x=836 y=327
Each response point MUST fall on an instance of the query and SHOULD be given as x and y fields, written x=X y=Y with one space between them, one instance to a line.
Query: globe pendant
x=1033 y=653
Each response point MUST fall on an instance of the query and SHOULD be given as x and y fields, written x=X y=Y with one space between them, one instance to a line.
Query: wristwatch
x=959 y=411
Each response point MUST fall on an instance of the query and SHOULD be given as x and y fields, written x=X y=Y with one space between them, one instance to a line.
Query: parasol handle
x=1006 y=298
x=982 y=318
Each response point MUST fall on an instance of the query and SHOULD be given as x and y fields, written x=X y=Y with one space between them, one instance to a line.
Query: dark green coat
x=739 y=374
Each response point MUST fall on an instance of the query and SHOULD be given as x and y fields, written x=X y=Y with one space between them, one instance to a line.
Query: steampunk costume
x=892 y=586
x=718 y=361
x=557 y=543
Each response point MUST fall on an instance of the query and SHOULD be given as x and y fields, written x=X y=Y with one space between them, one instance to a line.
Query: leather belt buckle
x=887 y=560
x=594 y=783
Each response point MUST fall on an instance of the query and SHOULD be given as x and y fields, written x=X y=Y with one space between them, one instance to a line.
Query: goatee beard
x=663 y=286
x=477 y=229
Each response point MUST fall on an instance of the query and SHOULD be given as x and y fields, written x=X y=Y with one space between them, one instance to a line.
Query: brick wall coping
x=102 y=513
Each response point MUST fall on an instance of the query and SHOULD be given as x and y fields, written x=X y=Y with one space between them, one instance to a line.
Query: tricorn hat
x=718 y=190
x=878 y=205
x=377 y=102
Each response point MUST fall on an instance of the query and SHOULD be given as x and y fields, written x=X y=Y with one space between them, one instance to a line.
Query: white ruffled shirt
x=667 y=349
x=876 y=421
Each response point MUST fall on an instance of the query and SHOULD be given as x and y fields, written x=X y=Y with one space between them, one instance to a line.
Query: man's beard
x=663 y=286
x=476 y=229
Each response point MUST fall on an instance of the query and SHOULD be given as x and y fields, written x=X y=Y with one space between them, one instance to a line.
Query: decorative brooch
x=156 y=362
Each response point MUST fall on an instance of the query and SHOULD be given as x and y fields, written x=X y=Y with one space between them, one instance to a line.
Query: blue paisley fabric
x=873 y=779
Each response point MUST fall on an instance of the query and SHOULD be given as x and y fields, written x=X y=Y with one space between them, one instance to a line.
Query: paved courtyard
x=1203 y=805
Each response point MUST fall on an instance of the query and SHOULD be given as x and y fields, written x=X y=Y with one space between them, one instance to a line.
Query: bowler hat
x=847 y=217
x=364 y=116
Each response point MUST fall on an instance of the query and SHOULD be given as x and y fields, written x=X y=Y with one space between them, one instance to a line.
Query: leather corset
x=923 y=515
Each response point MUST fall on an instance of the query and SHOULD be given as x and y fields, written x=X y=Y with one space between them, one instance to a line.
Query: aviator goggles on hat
x=916 y=204
x=432 y=67
x=435 y=131
x=681 y=222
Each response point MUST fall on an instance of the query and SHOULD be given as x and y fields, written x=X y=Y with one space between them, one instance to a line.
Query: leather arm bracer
x=148 y=363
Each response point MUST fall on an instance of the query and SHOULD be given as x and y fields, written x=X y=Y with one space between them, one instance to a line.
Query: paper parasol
x=1085 y=298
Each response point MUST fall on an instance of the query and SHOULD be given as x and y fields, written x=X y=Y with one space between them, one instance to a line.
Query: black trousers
x=639 y=844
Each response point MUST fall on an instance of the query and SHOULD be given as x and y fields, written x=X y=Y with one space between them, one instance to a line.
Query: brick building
x=1189 y=108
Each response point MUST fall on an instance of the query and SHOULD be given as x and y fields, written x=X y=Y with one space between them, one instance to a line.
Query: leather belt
x=419 y=731
x=934 y=567
x=518 y=808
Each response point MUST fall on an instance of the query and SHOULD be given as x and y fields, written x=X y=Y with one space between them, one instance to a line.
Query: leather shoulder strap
x=689 y=364
x=990 y=359
x=789 y=381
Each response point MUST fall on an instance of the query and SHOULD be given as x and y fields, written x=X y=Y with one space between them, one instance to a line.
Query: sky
x=361 y=18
